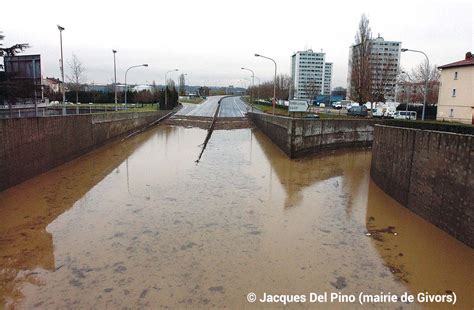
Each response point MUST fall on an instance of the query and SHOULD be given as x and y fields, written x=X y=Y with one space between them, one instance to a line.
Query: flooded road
x=139 y=224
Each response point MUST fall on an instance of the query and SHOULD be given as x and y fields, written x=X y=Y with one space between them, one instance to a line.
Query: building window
x=451 y=113
x=456 y=75
x=454 y=92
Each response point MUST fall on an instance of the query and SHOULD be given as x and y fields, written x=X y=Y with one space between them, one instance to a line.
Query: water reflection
x=149 y=228
x=27 y=209
x=296 y=175
x=416 y=252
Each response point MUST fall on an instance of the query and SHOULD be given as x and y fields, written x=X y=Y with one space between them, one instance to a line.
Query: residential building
x=52 y=85
x=311 y=75
x=384 y=62
x=413 y=92
x=456 y=92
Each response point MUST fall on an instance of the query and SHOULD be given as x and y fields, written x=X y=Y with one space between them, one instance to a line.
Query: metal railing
x=23 y=111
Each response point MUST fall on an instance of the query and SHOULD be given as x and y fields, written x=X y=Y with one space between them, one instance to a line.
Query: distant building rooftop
x=468 y=61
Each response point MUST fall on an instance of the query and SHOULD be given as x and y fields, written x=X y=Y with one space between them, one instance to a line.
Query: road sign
x=298 y=106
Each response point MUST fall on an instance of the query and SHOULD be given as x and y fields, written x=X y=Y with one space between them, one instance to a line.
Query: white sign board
x=298 y=106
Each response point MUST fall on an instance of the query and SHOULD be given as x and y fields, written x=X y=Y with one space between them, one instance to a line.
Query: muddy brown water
x=139 y=224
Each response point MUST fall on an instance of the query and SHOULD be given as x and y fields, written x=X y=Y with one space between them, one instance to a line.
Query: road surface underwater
x=139 y=224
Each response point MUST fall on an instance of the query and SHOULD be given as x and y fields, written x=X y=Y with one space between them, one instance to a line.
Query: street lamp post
x=61 y=29
x=144 y=65
x=184 y=85
x=274 y=80
x=115 y=81
x=253 y=85
x=258 y=88
x=406 y=99
x=426 y=79
x=166 y=87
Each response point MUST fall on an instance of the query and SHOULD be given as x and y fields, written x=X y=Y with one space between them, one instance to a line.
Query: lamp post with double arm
x=253 y=86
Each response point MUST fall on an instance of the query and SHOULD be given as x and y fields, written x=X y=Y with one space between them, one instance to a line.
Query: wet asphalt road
x=230 y=107
x=233 y=107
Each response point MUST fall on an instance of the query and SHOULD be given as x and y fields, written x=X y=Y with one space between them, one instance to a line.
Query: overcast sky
x=212 y=40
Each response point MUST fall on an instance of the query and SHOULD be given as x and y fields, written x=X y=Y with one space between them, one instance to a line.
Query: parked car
x=311 y=116
x=337 y=105
x=411 y=115
x=351 y=104
x=358 y=111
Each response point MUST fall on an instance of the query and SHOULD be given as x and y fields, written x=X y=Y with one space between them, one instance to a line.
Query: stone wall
x=30 y=146
x=429 y=172
x=297 y=137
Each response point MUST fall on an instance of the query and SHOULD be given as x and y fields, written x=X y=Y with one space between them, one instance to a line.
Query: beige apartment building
x=456 y=92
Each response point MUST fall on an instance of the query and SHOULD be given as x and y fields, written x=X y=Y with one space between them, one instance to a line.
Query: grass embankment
x=284 y=111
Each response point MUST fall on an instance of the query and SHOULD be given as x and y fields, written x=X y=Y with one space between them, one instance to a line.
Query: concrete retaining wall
x=429 y=172
x=30 y=146
x=297 y=137
x=278 y=129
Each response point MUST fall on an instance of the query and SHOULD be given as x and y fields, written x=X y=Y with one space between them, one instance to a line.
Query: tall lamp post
x=61 y=29
x=166 y=87
x=426 y=79
x=253 y=85
x=258 y=88
x=115 y=81
x=144 y=65
x=274 y=79
x=185 y=74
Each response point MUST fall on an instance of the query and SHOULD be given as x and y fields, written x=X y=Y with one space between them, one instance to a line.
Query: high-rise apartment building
x=311 y=75
x=384 y=62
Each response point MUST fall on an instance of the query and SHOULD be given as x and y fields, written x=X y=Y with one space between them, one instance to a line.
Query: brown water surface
x=140 y=224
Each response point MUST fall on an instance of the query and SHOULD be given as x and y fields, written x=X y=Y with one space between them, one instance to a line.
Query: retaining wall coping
x=424 y=130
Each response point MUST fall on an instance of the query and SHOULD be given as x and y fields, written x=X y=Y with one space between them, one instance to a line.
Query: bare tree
x=360 y=63
x=412 y=84
x=12 y=50
x=265 y=89
x=312 y=89
x=182 y=85
x=283 y=83
x=77 y=78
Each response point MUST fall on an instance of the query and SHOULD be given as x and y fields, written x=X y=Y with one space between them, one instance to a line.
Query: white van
x=411 y=115
x=378 y=112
